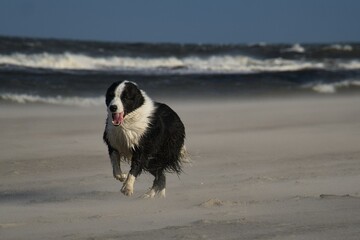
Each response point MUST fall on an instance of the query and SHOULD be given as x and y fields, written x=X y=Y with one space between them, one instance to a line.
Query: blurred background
x=68 y=52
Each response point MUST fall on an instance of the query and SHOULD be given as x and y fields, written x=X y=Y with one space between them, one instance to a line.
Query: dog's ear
x=132 y=91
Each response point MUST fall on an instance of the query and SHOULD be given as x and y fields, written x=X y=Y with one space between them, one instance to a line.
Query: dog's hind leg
x=115 y=162
x=158 y=186
x=161 y=184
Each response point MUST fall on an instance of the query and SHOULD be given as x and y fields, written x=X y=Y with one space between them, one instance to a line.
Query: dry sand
x=264 y=169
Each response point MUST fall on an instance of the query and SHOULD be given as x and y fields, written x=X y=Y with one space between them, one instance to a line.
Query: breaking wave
x=333 y=87
x=339 y=47
x=297 y=48
x=58 y=100
x=189 y=64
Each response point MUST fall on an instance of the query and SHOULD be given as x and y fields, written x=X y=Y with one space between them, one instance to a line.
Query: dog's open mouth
x=117 y=118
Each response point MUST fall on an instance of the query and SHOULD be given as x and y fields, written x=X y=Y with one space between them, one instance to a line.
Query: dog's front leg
x=115 y=162
x=135 y=170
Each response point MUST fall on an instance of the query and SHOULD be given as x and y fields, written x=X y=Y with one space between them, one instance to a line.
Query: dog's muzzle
x=117 y=118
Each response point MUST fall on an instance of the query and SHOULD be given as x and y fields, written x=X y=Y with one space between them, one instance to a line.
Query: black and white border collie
x=147 y=134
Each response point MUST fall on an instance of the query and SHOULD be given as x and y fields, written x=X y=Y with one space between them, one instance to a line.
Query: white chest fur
x=126 y=136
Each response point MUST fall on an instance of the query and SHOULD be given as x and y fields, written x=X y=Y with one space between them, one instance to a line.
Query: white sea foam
x=59 y=100
x=339 y=47
x=246 y=64
x=84 y=62
x=191 y=64
x=297 y=48
x=333 y=87
x=324 y=88
x=349 y=65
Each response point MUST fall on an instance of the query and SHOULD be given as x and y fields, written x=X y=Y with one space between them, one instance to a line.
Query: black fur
x=159 y=149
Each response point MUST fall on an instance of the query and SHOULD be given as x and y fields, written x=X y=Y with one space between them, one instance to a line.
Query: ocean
x=68 y=72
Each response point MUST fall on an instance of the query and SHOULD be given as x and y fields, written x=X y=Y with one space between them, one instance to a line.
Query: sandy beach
x=261 y=169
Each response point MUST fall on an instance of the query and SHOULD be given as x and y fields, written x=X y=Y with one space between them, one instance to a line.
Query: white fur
x=162 y=193
x=115 y=161
x=152 y=193
x=128 y=187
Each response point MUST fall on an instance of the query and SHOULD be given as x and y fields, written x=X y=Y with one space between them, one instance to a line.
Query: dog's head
x=123 y=98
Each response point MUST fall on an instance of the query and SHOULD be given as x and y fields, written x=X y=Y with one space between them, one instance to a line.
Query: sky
x=184 y=21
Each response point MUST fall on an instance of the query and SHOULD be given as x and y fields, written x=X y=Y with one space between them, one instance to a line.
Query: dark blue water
x=62 y=71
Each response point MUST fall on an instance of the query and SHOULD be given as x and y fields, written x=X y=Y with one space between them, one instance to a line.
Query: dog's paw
x=127 y=190
x=121 y=177
x=152 y=193
x=128 y=187
x=149 y=194
x=162 y=194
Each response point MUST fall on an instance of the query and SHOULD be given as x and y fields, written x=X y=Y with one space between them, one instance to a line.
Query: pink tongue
x=118 y=118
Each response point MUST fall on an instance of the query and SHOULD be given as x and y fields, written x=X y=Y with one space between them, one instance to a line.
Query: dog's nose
x=113 y=108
